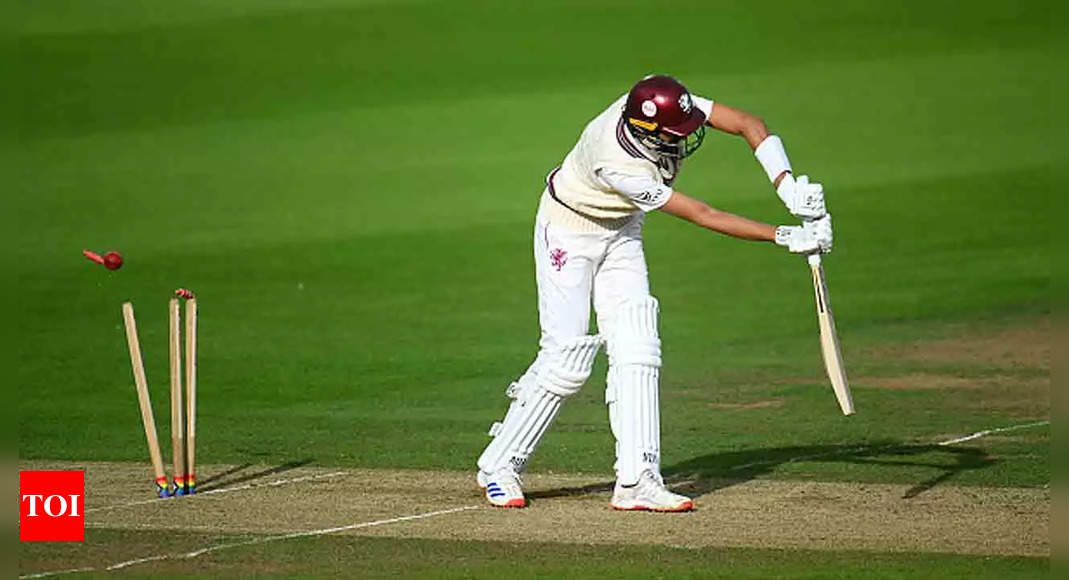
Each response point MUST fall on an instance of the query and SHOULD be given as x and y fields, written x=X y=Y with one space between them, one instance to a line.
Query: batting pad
x=635 y=340
x=535 y=404
x=565 y=370
x=635 y=417
x=519 y=435
x=632 y=391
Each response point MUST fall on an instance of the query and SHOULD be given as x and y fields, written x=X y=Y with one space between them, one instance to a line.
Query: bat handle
x=814 y=259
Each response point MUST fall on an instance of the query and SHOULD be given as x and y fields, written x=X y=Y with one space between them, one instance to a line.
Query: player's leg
x=628 y=317
x=564 y=266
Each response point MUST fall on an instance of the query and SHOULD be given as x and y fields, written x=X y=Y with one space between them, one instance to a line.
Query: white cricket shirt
x=609 y=176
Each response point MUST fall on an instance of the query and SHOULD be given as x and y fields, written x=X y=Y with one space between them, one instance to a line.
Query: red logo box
x=51 y=506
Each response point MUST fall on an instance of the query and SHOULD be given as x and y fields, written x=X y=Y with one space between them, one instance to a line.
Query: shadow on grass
x=718 y=470
x=221 y=480
x=205 y=483
x=708 y=473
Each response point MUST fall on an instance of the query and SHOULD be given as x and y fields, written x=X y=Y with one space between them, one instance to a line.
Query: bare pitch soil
x=572 y=509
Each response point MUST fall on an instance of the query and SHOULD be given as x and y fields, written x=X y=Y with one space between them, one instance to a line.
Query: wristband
x=772 y=157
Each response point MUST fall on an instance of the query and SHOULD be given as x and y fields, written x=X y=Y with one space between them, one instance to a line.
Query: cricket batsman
x=588 y=248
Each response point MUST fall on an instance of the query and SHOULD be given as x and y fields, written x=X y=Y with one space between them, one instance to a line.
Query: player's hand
x=813 y=236
x=803 y=199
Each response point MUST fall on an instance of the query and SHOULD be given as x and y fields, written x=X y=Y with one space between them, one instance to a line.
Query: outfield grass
x=349 y=186
x=351 y=557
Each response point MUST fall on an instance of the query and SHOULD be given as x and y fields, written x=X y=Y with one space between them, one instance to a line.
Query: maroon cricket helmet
x=662 y=115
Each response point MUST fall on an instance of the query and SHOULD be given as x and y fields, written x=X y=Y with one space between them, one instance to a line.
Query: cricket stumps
x=183 y=413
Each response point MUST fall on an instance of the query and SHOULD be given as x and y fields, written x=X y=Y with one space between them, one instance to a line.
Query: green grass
x=350 y=186
x=392 y=557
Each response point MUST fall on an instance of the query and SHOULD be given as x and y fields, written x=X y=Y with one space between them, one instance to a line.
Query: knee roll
x=635 y=340
x=568 y=367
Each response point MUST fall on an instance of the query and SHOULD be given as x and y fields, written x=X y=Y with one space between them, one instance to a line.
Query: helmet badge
x=649 y=108
x=685 y=102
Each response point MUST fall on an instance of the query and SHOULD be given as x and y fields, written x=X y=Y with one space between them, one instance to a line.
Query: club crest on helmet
x=685 y=102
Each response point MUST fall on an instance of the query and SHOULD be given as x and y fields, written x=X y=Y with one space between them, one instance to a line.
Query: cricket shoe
x=649 y=494
x=503 y=488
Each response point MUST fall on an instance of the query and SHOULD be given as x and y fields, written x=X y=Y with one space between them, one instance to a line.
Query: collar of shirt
x=631 y=145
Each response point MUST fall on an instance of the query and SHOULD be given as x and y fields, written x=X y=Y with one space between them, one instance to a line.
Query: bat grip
x=814 y=259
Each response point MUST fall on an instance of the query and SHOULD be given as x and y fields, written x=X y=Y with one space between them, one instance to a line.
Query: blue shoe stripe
x=496 y=494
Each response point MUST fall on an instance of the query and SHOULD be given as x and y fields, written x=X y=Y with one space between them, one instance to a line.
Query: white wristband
x=772 y=157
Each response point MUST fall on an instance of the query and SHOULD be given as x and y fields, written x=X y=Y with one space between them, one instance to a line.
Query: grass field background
x=350 y=186
x=389 y=558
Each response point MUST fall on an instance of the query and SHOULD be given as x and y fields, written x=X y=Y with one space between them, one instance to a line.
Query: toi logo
x=51 y=506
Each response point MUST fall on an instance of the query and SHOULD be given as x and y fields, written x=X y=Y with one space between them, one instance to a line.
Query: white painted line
x=325 y=531
x=129 y=563
x=275 y=483
x=856 y=450
x=57 y=573
x=263 y=540
x=987 y=432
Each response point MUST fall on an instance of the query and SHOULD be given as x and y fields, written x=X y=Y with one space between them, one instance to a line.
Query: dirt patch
x=1015 y=396
x=757 y=513
x=1005 y=370
x=1027 y=346
x=926 y=381
x=1016 y=377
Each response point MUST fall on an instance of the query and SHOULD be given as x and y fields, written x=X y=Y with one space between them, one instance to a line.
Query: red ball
x=112 y=260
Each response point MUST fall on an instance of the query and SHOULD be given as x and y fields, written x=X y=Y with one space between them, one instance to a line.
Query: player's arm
x=700 y=213
x=803 y=199
x=649 y=193
x=813 y=236
x=736 y=122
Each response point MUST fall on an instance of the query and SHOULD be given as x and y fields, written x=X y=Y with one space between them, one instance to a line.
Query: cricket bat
x=829 y=339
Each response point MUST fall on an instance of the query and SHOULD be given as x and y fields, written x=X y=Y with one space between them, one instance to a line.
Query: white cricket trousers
x=572 y=267
x=576 y=264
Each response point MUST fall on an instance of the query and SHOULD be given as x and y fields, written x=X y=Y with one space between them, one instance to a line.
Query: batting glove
x=813 y=236
x=803 y=199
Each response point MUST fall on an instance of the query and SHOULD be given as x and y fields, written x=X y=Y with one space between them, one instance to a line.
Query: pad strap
x=517 y=437
x=536 y=399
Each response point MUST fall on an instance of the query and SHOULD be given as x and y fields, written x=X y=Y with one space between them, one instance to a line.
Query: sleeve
x=704 y=104
x=644 y=191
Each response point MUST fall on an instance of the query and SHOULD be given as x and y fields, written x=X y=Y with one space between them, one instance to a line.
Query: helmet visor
x=690 y=133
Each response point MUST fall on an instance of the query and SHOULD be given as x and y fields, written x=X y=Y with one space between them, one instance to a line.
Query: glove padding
x=813 y=236
x=803 y=199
